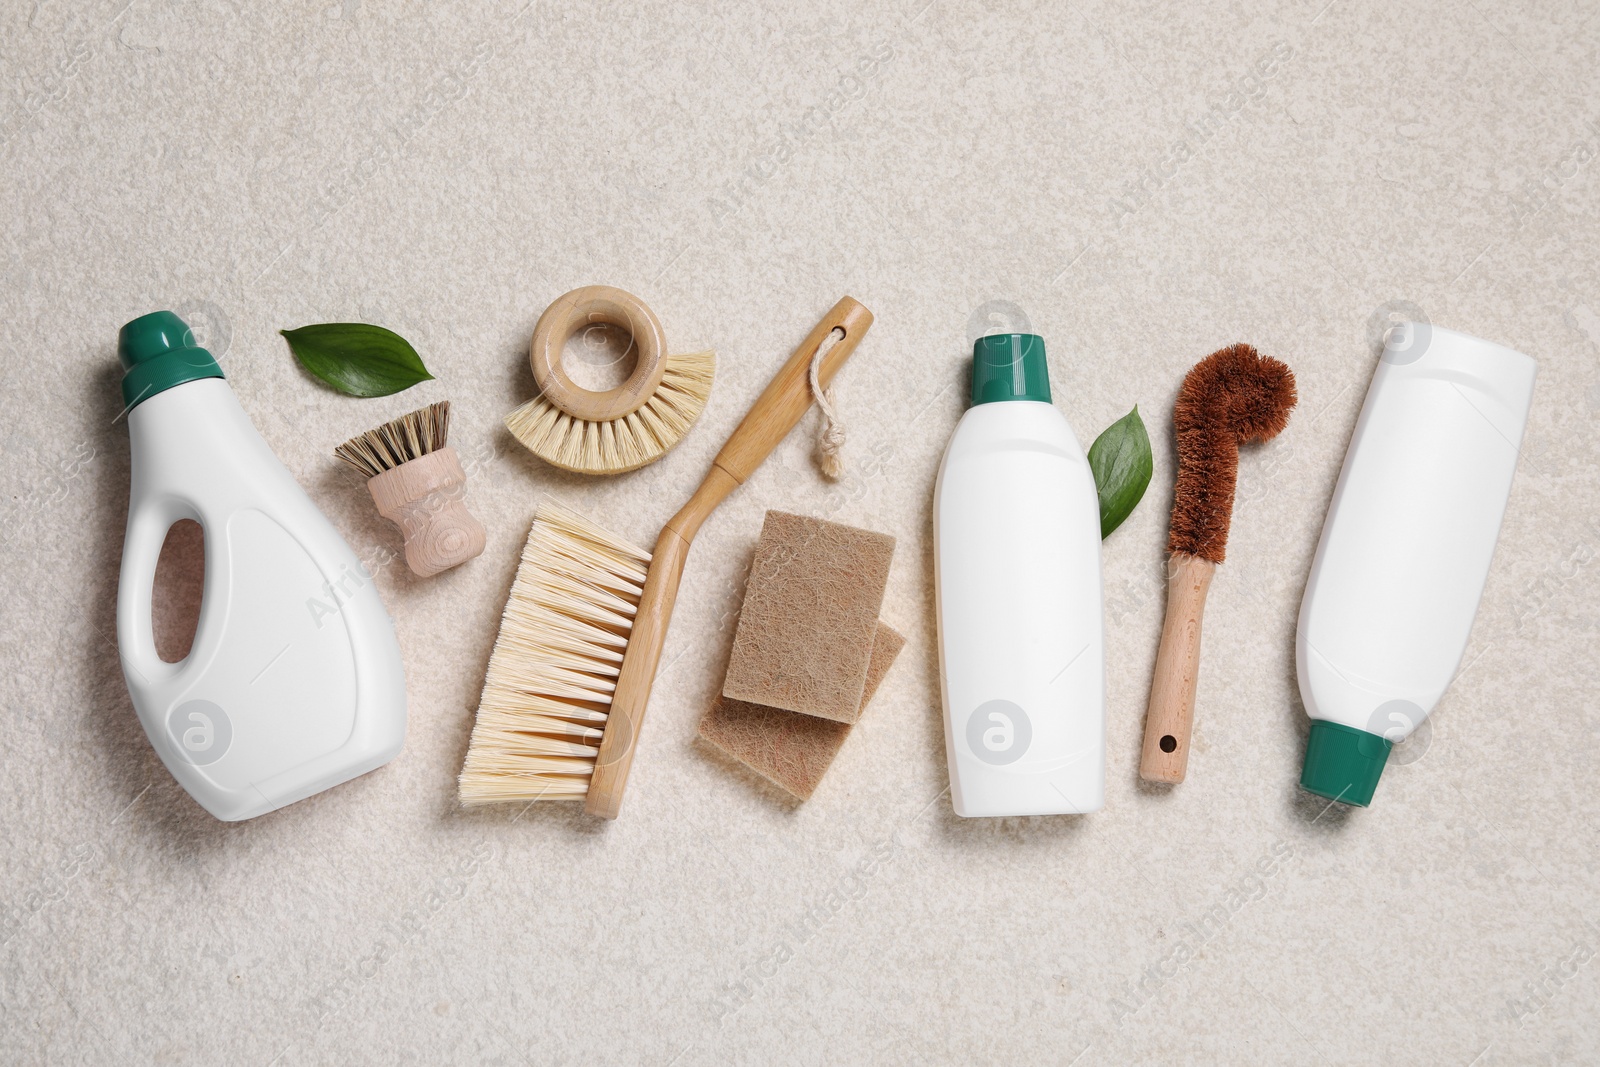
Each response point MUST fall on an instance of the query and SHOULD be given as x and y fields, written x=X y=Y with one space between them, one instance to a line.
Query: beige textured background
x=1147 y=183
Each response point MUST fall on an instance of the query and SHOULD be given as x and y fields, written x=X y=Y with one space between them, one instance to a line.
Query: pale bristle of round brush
x=624 y=444
x=555 y=663
x=411 y=436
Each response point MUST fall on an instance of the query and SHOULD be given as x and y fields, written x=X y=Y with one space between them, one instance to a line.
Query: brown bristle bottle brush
x=1233 y=396
x=417 y=482
x=622 y=429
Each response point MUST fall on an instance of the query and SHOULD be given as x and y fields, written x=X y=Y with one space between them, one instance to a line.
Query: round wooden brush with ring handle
x=622 y=429
x=1233 y=396
x=416 y=480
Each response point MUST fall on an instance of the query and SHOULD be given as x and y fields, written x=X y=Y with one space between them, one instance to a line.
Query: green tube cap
x=1009 y=366
x=158 y=351
x=1343 y=763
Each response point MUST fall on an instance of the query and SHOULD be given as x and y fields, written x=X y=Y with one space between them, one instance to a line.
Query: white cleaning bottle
x=1016 y=533
x=293 y=682
x=1405 y=548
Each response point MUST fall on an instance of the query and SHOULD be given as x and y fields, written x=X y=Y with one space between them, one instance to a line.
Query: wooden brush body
x=424 y=498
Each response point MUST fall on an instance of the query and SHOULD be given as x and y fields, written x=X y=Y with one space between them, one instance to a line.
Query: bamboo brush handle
x=1170 y=718
x=776 y=411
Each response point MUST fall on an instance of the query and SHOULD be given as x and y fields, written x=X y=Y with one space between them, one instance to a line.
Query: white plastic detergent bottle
x=293 y=682
x=1016 y=533
x=1406 y=548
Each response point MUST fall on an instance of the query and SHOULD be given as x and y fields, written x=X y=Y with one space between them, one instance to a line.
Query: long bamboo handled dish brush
x=570 y=675
x=416 y=480
x=622 y=429
x=1233 y=396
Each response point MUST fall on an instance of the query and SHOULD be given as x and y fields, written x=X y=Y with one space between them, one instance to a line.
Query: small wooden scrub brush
x=583 y=629
x=1232 y=396
x=622 y=429
x=416 y=480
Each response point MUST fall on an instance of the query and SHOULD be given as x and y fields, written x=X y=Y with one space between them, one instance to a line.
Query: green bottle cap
x=1009 y=366
x=1343 y=763
x=157 y=352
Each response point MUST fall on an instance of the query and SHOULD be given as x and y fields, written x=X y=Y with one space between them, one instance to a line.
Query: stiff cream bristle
x=555 y=663
x=623 y=444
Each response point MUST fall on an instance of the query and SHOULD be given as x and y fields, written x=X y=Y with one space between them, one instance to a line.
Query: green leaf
x=356 y=358
x=1121 y=462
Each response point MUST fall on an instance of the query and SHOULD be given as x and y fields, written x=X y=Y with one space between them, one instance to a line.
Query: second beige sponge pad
x=810 y=615
x=790 y=750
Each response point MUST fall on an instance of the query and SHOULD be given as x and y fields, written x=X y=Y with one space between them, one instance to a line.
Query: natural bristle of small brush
x=411 y=436
x=555 y=663
x=624 y=444
x=1234 y=395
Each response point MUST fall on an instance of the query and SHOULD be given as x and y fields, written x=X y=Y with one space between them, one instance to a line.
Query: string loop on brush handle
x=1170 y=719
x=788 y=397
x=776 y=411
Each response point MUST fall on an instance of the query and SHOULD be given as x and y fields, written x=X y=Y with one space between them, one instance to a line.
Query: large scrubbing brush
x=583 y=629
x=1233 y=396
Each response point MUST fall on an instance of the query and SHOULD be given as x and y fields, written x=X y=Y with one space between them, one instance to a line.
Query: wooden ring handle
x=1170 y=718
x=588 y=306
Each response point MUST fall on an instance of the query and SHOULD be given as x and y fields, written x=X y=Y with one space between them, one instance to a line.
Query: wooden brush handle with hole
x=1170 y=718
x=776 y=412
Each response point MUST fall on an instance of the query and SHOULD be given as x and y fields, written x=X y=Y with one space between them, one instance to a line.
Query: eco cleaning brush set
x=570 y=676
x=294 y=681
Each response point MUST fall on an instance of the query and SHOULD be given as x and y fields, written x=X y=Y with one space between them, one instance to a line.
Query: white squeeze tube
x=1016 y=531
x=293 y=682
x=1405 y=548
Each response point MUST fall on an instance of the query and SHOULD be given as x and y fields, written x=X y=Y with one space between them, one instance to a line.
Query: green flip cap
x=1009 y=366
x=158 y=351
x=1343 y=763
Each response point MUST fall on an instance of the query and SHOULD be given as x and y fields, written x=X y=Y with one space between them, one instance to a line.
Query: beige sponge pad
x=788 y=749
x=810 y=611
